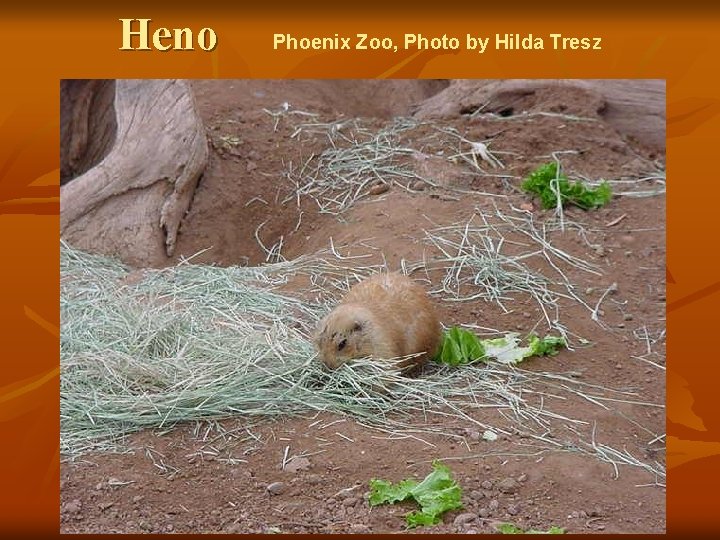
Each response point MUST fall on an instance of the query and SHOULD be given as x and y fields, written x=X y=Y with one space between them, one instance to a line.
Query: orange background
x=40 y=45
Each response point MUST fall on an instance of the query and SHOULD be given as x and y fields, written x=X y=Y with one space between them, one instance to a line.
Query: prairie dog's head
x=343 y=334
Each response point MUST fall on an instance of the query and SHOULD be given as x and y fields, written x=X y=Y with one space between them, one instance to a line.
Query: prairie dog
x=383 y=316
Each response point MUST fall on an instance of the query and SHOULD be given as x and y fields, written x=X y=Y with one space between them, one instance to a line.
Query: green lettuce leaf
x=436 y=494
x=463 y=347
x=460 y=346
x=540 y=182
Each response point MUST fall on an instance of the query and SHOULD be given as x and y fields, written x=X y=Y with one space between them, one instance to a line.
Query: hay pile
x=151 y=348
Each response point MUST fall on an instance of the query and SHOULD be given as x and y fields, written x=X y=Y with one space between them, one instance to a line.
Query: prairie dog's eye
x=342 y=344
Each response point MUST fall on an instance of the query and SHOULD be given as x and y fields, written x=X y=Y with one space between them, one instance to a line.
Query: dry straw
x=149 y=349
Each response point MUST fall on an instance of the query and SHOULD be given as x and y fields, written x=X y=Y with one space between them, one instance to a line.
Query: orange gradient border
x=41 y=45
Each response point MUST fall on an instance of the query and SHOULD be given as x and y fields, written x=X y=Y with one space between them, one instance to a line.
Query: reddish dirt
x=192 y=479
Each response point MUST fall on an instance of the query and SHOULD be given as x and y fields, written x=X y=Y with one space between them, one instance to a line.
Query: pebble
x=487 y=484
x=483 y=512
x=513 y=510
x=522 y=477
x=297 y=464
x=313 y=479
x=418 y=185
x=462 y=519
x=476 y=494
x=73 y=506
x=627 y=317
x=378 y=189
x=471 y=531
x=276 y=488
x=359 y=528
x=508 y=485
x=351 y=501
x=494 y=504
x=473 y=434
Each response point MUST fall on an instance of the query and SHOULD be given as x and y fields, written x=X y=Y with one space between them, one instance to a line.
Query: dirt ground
x=197 y=478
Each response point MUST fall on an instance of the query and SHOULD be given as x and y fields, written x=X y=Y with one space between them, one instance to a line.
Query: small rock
x=462 y=519
x=600 y=251
x=276 y=488
x=627 y=317
x=313 y=479
x=476 y=494
x=575 y=515
x=105 y=505
x=359 y=528
x=417 y=185
x=508 y=485
x=613 y=288
x=137 y=498
x=513 y=510
x=621 y=325
x=528 y=207
x=471 y=531
x=331 y=501
x=590 y=290
x=483 y=512
x=618 y=366
x=73 y=507
x=473 y=434
x=494 y=504
x=487 y=484
x=351 y=501
x=378 y=189
x=297 y=464
x=522 y=477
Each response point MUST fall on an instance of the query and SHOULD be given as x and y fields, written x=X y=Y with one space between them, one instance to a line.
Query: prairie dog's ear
x=357 y=326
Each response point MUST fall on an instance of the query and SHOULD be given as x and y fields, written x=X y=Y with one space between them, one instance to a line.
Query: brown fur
x=383 y=316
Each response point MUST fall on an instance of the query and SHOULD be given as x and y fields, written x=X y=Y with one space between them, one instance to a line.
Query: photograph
x=361 y=306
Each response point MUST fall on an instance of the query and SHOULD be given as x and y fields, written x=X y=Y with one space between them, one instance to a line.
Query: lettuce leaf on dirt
x=539 y=182
x=508 y=351
x=436 y=494
x=460 y=347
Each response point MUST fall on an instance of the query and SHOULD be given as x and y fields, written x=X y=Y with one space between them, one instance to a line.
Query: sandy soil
x=193 y=479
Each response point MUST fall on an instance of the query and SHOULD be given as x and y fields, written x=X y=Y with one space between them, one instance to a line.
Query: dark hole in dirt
x=507 y=111
x=87 y=124
x=469 y=110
